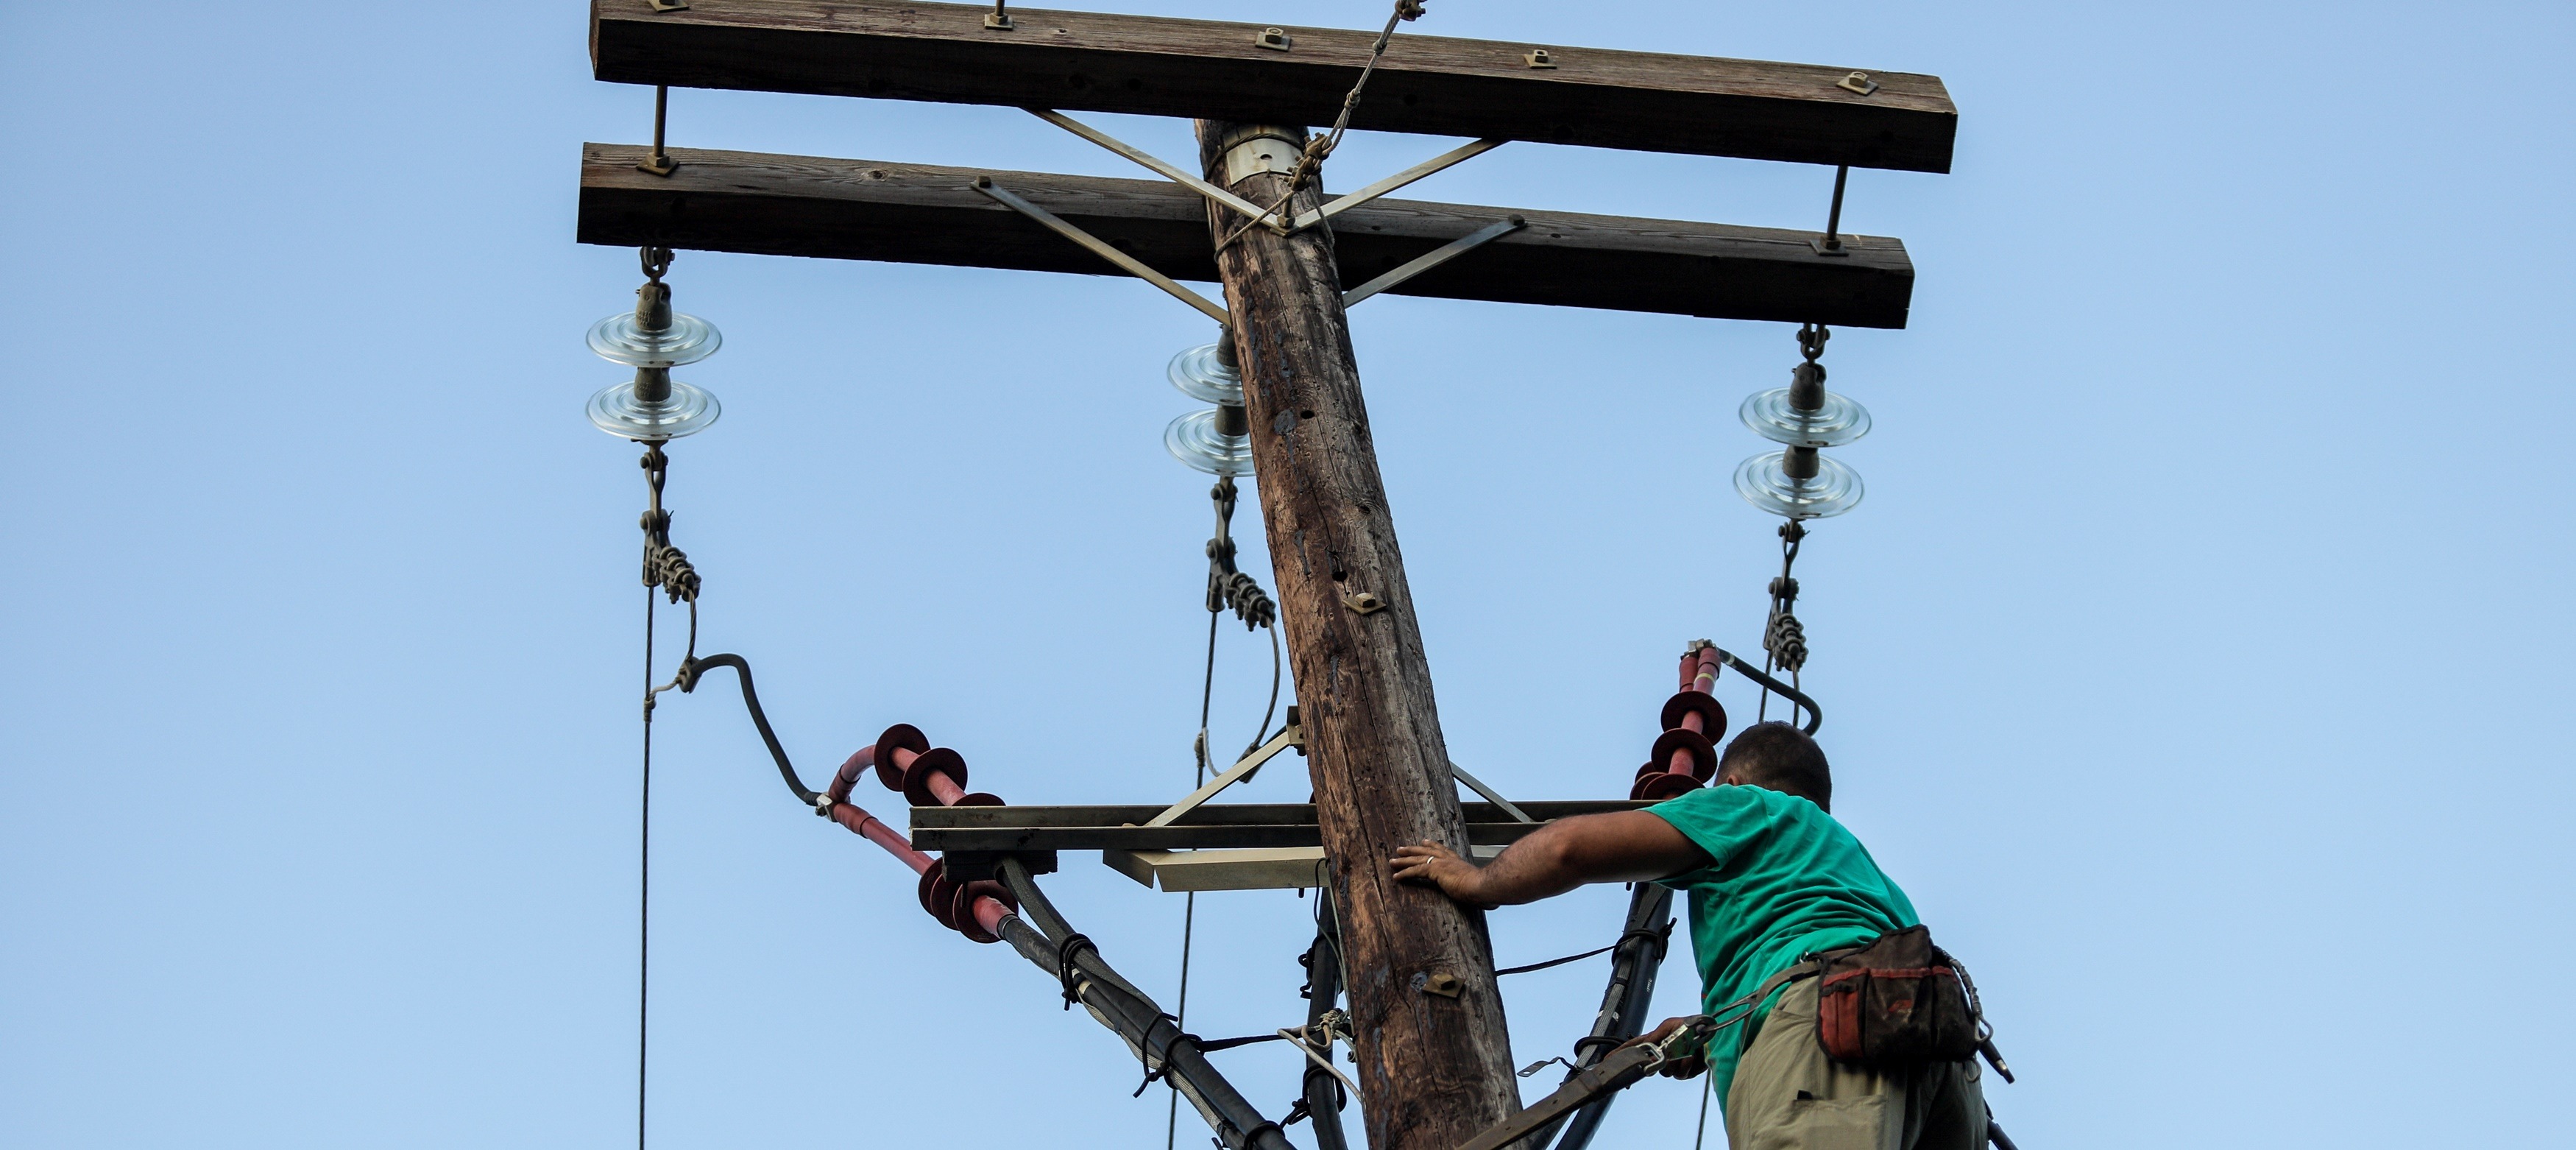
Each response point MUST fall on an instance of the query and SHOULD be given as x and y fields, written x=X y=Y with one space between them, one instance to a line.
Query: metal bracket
x=1101 y=248
x=1363 y=602
x=1434 y=258
x=998 y=20
x=1857 y=82
x=1491 y=795
x=1538 y=58
x=1274 y=38
x=670 y=5
x=1262 y=149
x=1445 y=160
x=1293 y=735
x=1150 y=162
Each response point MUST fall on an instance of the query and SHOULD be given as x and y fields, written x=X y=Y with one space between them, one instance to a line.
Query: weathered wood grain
x=917 y=213
x=1090 y=61
x=1433 y=1069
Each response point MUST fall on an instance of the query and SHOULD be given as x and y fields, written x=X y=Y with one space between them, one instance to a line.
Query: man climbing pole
x=1783 y=902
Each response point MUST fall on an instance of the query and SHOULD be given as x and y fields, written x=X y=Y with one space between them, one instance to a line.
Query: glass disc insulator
x=1764 y=482
x=1202 y=376
x=688 y=411
x=1193 y=439
x=1838 y=422
x=619 y=339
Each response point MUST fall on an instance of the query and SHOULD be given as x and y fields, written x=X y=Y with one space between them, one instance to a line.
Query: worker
x=1772 y=878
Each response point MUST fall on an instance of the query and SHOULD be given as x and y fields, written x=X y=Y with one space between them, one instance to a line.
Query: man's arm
x=1627 y=846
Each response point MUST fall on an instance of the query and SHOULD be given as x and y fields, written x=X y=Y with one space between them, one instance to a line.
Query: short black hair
x=1780 y=757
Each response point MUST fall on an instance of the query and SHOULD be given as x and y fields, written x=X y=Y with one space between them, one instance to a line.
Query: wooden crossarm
x=918 y=213
x=1104 y=62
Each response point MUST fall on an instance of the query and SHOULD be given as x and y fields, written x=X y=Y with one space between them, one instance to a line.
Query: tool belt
x=1894 y=1002
x=1897 y=1001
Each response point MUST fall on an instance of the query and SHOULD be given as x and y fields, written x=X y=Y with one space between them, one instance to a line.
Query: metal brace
x=1292 y=736
x=1434 y=258
x=1445 y=160
x=1155 y=164
x=1101 y=248
x=1491 y=795
x=1151 y=162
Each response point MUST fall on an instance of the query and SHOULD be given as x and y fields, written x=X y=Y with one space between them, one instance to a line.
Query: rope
x=1067 y=953
x=1319 y=147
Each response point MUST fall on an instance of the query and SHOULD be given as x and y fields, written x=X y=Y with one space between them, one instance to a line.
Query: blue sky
x=2188 y=663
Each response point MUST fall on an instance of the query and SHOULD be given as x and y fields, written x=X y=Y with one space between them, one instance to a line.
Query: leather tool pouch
x=1898 y=1001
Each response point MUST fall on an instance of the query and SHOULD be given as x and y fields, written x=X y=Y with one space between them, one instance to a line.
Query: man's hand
x=1689 y=1065
x=1430 y=864
x=1626 y=846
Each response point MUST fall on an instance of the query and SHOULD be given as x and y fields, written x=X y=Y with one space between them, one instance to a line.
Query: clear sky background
x=2190 y=662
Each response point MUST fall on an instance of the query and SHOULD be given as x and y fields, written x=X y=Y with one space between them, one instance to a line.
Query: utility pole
x=1426 y=1012
x=1433 y=1055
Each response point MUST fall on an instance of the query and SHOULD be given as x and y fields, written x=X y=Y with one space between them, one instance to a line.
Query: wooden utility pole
x=1434 y=1057
x=1432 y=1050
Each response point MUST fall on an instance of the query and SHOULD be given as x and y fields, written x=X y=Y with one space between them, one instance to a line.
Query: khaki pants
x=1789 y=1096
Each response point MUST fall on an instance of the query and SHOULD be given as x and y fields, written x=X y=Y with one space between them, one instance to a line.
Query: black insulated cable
x=688 y=680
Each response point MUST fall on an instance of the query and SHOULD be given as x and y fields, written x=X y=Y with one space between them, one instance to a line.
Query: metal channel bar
x=1234 y=774
x=1433 y=258
x=1101 y=248
x=1154 y=163
x=1439 y=163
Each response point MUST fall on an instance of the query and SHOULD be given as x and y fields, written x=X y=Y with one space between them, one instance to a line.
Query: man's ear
x=1729 y=779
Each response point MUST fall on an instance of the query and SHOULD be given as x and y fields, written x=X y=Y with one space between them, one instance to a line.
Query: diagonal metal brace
x=1441 y=162
x=1434 y=258
x=1155 y=164
x=1102 y=248
x=1294 y=736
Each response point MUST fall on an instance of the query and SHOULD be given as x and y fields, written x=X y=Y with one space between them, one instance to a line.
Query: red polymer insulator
x=968 y=904
x=1686 y=752
x=934 y=778
x=937 y=892
x=1695 y=711
x=1656 y=786
x=989 y=913
x=894 y=751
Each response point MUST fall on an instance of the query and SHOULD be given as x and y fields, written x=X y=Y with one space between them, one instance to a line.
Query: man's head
x=1779 y=757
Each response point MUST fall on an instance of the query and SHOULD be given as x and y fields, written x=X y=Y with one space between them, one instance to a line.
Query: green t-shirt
x=1784 y=879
